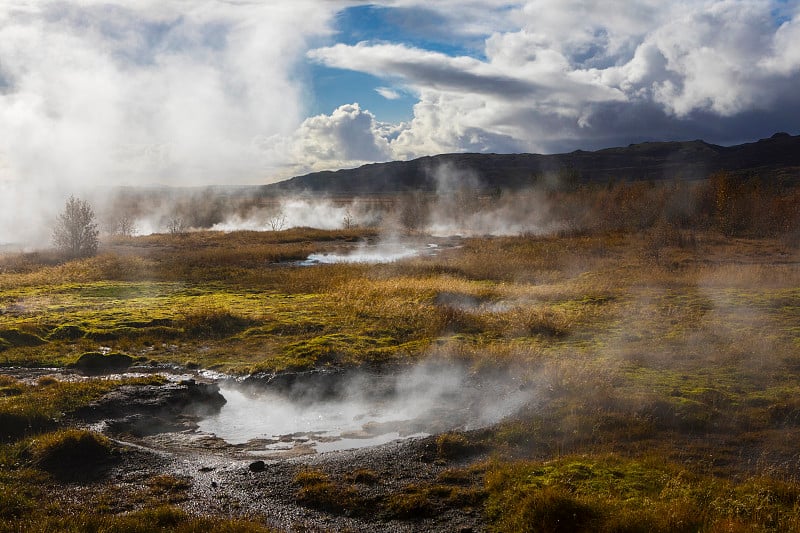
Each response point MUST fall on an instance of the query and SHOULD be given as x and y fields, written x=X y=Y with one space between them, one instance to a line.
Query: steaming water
x=423 y=402
x=374 y=254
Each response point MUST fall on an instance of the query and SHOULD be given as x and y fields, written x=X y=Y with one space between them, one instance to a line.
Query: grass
x=663 y=362
x=38 y=459
x=410 y=502
x=159 y=518
x=71 y=453
x=27 y=409
x=609 y=493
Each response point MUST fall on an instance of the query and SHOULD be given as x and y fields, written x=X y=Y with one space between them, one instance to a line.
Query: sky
x=195 y=92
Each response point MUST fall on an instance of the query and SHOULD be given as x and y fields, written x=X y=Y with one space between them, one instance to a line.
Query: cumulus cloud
x=553 y=74
x=348 y=137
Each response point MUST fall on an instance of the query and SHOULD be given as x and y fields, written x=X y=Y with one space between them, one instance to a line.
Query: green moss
x=337 y=347
x=69 y=332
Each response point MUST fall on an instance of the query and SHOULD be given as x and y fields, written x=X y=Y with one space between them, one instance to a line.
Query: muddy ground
x=154 y=428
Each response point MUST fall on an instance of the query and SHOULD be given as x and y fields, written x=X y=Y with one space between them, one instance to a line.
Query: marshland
x=626 y=360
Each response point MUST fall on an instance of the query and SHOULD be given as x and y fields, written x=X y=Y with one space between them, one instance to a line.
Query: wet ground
x=238 y=445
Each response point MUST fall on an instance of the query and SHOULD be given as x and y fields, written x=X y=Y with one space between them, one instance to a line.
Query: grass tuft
x=71 y=453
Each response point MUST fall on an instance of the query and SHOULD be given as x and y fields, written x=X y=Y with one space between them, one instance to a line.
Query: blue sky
x=193 y=92
x=417 y=27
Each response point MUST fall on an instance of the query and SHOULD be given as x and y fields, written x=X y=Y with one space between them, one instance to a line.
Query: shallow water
x=423 y=403
x=372 y=254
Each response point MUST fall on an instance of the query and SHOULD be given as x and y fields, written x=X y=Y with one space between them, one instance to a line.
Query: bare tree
x=123 y=226
x=76 y=231
x=277 y=221
x=348 y=221
x=176 y=225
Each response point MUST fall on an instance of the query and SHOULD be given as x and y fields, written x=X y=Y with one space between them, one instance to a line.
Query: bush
x=76 y=233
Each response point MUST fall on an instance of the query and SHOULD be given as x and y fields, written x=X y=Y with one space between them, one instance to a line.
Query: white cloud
x=388 y=93
x=348 y=137
x=553 y=72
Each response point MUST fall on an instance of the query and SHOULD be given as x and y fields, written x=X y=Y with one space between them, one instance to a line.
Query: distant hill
x=775 y=158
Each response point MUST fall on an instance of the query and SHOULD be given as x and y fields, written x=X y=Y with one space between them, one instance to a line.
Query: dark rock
x=150 y=409
x=257 y=466
x=323 y=384
x=311 y=385
x=95 y=363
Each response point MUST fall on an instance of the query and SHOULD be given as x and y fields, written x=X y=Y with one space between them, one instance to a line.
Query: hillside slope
x=776 y=157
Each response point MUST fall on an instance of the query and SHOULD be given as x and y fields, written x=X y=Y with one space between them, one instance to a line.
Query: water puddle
x=382 y=252
x=418 y=402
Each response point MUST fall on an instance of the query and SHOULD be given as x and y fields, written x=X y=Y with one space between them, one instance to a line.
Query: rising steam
x=365 y=409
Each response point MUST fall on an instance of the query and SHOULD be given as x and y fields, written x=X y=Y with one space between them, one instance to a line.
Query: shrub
x=76 y=233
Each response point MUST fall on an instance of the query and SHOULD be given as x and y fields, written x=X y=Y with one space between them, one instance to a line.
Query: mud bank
x=362 y=479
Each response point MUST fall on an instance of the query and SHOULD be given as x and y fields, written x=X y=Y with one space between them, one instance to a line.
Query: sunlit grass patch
x=156 y=518
x=318 y=490
x=614 y=494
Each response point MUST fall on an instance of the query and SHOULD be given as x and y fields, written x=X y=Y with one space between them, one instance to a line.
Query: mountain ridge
x=775 y=157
